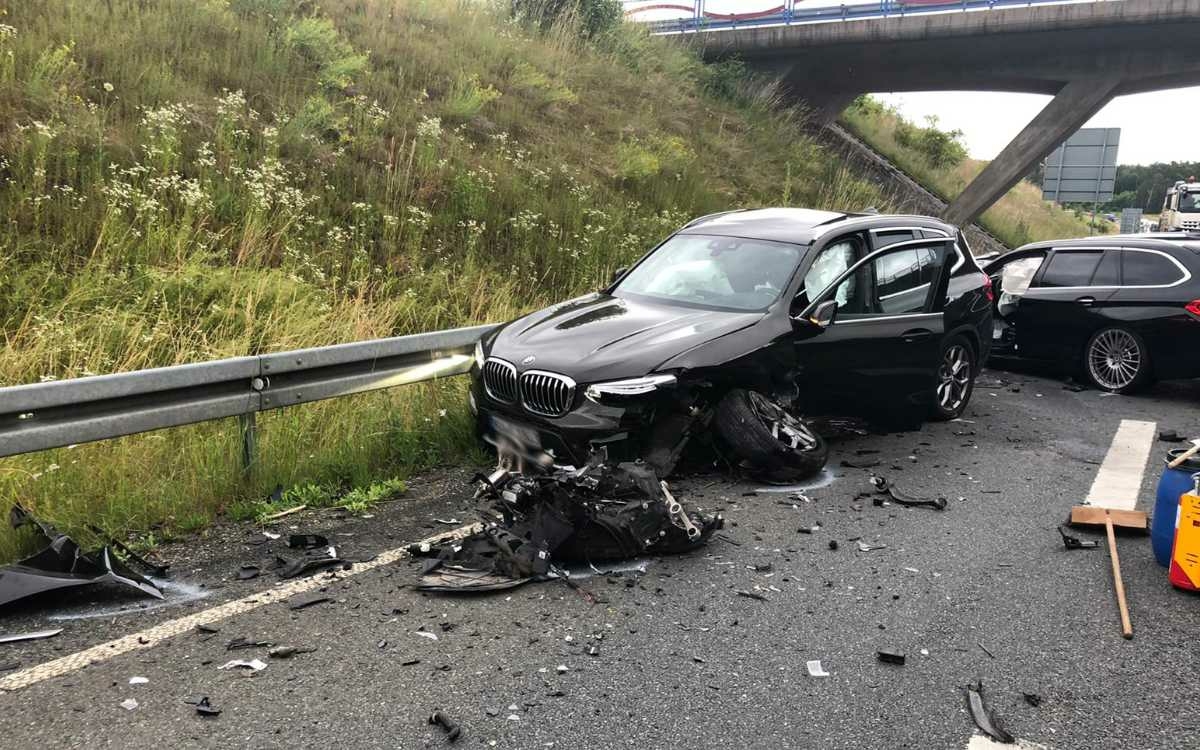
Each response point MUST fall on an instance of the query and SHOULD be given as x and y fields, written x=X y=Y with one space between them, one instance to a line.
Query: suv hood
x=601 y=337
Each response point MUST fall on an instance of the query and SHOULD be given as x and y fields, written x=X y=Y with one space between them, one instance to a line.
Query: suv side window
x=830 y=264
x=1108 y=272
x=903 y=278
x=884 y=237
x=1148 y=269
x=1069 y=268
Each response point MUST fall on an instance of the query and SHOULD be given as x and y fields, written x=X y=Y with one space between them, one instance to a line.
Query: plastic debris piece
x=752 y=595
x=1032 y=699
x=283 y=513
x=287 y=652
x=204 y=708
x=890 y=657
x=815 y=669
x=207 y=629
x=833 y=544
x=129 y=704
x=271 y=535
x=36 y=635
x=809 y=529
x=254 y=665
x=246 y=572
x=302 y=602
x=1074 y=542
x=427 y=634
x=562 y=668
x=984 y=718
x=883 y=487
x=453 y=730
x=305 y=565
x=138 y=680
x=307 y=541
x=1170 y=436
x=864 y=547
x=240 y=642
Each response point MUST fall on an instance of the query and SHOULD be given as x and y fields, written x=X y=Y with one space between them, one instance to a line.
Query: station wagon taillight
x=991 y=296
x=1193 y=307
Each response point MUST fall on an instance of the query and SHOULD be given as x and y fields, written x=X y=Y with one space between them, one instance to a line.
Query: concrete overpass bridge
x=1082 y=53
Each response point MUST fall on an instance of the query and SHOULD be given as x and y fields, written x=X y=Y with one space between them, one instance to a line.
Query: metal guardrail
x=795 y=13
x=67 y=412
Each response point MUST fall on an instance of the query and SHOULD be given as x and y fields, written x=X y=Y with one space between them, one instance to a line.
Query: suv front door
x=883 y=346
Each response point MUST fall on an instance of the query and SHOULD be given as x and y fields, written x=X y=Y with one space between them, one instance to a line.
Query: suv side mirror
x=824 y=314
x=821 y=317
x=618 y=274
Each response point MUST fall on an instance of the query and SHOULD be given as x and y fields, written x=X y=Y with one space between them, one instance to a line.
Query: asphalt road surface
x=983 y=590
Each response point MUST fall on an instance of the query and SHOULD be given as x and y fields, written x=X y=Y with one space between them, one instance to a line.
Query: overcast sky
x=1158 y=126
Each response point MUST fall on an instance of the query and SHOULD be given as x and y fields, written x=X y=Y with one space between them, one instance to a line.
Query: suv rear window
x=1148 y=269
x=1070 y=269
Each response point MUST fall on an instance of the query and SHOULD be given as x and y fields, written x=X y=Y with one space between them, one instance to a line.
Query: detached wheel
x=778 y=446
x=955 y=379
x=1117 y=360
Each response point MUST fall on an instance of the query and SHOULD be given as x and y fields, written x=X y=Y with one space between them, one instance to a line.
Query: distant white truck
x=1181 y=208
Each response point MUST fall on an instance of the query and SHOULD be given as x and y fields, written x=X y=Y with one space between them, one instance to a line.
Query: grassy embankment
x=191 y=179
x=1019 y=217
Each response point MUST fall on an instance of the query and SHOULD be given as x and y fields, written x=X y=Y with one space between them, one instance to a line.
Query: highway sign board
x=1084 y=169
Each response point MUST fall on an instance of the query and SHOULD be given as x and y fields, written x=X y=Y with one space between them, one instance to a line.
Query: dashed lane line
x=1119 y=480
x=153 y=636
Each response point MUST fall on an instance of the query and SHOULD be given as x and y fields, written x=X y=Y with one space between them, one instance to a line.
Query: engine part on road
x=882 y=486
x=984 y=718
x=62 y=564
x=540 y=521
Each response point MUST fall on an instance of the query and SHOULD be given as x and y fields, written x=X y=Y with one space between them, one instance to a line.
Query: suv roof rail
x=710 y=217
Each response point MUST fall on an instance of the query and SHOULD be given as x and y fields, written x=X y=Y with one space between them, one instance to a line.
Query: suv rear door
x=1065 y=302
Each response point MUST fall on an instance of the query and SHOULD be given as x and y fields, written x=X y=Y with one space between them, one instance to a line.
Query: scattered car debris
x=254 y=665
x=427 y=634
x=883 y=487
x=447 y=521
x=158 y=570
x=302 y=602
x=1170 y=436
x=203 y=707
x=864 y=547
x=307 y=541
x=890 y=657
x=547 y=517
x=287 y=652
x=984 y=718
x=246 y=572
x=752 y=595
x=306 y=565
x=833 y=545
x=986 y=650
x=240 y=643
x=62 y=564
x=138 y=680
x=1074 y=542
x=36 y=635
x=453 y=730
x=815 y=669
x=809 y=529
x=1032 y=699
x=204 y=627
x=129 y=704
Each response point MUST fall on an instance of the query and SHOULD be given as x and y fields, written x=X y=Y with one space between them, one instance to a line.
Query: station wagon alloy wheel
x=954 y=378
x=1114 y=359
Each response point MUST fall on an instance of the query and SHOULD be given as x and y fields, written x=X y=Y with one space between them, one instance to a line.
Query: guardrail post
x=248 y=426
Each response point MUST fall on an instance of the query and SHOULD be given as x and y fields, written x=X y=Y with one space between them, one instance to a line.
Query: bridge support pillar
x=823 y=109
x=1074 y=104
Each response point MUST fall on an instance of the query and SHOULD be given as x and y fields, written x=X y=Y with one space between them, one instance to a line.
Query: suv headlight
x=630 y=387
x=479 y=355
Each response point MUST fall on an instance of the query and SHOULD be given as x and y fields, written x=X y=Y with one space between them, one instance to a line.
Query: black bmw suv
x=745 y=320
x=1120 y=311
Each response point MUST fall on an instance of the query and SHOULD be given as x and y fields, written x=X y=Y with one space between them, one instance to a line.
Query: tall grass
x=1019 y=217
x=190 y=179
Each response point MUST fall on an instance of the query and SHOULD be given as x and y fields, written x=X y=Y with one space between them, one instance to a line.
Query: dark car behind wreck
x=744 y=320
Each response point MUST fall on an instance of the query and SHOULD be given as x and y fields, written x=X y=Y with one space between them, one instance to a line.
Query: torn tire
x=777 y=446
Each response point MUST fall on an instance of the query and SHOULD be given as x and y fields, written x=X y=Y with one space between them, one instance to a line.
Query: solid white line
x=153 y=636
x=1119 y=480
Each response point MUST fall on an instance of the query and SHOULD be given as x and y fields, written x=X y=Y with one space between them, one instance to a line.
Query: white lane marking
x=1119 y=480
x=153 y=636
x=983 y=742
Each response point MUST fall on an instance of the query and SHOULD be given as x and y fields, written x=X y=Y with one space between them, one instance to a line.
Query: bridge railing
x=795 y=12
x=67 y=412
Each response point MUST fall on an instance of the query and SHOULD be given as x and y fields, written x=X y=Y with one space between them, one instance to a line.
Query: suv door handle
x=913 y=335
x=1086 y=301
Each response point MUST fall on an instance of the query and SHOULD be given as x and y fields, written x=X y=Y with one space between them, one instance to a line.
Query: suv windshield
x=727 y=273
